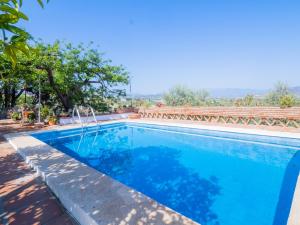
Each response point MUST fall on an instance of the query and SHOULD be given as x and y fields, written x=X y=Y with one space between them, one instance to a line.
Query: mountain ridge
x=225 y=93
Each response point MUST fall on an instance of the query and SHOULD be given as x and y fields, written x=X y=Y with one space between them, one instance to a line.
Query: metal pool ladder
x=88 y=111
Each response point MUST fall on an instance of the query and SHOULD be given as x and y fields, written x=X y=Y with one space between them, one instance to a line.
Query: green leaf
x=15 y=30
x=23 y=47
x=23 y=16
x=15 y=2
x=8 y=9
x=41 y=3
x=11 y=54
x=18 y=38
x=13 y=11
x=8 y=18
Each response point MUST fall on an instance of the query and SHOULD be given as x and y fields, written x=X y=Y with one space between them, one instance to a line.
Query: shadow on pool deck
x=24 y=198
x=287 y=190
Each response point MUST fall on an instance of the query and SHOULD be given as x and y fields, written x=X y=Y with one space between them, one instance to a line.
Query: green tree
x=69 y=75
x=14 y=39
x=287 y=101
x=14 y=80
x=280 y=89
x=248 y=100
x=183 y=96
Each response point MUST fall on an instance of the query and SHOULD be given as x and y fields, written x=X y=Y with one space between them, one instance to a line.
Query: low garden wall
x=68 y=120
x=269 y=116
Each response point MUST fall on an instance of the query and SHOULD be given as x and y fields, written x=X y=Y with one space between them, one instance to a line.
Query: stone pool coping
x=94 y=198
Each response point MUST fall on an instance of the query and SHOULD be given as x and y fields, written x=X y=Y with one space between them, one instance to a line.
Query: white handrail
x=75 y=109
x=93 y=113
x=86 y=121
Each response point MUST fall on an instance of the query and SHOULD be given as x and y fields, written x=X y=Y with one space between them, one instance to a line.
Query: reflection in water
x=174 y=185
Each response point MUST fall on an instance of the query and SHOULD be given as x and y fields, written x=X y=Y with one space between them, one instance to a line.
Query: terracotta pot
x=26 y=113
x=51 y=123
x=134 y=116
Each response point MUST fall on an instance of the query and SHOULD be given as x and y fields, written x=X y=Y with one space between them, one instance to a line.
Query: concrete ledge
x=65 y=121
x=90 y=196
x=218 y=128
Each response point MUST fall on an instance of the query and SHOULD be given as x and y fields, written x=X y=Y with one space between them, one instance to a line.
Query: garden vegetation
x=68 y=75
x=183 y=96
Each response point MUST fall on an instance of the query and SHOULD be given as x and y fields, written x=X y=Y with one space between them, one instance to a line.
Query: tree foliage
x=69 y=75
x=183 y=96
x=281 y=89
x=287 y=101
x=14 y=39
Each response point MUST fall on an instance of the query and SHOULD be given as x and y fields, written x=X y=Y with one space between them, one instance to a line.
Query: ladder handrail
x=85 y=122
x=75 y=109
x=93 y=113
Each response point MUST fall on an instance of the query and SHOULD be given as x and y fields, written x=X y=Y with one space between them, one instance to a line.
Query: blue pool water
x=209 y=176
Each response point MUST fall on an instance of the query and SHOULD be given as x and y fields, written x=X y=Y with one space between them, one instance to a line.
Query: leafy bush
x=29 y=101
x=286 y=101
x=45 y=112
x=248 y=100
x=31 y=117
x=52 y=119
x=16 y=116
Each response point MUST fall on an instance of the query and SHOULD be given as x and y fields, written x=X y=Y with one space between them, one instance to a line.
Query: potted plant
x=52 y=120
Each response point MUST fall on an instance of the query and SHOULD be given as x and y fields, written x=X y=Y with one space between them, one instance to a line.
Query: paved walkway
x=24 y=197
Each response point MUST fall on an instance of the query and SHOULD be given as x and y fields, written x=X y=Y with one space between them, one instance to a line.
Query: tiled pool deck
x=24 y=197
x=94 y=198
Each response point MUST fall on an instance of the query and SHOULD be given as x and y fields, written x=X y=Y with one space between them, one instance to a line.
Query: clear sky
x=198 y=43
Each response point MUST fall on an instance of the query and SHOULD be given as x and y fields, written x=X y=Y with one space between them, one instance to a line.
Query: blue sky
x=198 y=43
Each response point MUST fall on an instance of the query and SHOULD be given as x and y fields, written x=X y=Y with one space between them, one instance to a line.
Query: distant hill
x=295 y=90
x=224 y=93
x=148 y=96
x=235 y=92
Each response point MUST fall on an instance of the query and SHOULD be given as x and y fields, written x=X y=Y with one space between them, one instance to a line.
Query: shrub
x=286 y=101
x=45 y=112
x=248 y=100
x=31 y=117
x=16 y=116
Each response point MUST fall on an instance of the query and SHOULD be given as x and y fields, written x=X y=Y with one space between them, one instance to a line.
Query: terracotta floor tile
x=25 y=198
x=36 y=213
x=25 y=195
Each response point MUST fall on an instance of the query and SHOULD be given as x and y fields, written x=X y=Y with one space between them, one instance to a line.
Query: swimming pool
x=211 y=177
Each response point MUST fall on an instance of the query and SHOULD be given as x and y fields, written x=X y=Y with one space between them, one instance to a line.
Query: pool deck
x=94 y=198
x=24 y=197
